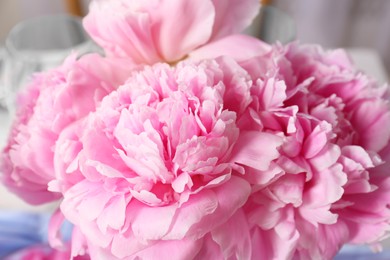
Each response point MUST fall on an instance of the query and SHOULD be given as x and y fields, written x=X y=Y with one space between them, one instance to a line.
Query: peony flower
x=147 y=32
x=53 y=101
x=154 y=165
x=328 y=186
x=359 y=112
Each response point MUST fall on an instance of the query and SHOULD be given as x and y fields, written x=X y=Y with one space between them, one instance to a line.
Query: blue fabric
x=350 y=252
x=20 y=229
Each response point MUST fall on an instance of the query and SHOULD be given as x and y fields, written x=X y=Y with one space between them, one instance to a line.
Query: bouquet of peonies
x=189 y=140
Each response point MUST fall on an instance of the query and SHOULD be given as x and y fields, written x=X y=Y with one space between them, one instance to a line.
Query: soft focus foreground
x=202 y=143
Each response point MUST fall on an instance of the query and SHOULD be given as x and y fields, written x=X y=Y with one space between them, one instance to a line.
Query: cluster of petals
x=51 y=102
x=155 y=164
x=330 y=184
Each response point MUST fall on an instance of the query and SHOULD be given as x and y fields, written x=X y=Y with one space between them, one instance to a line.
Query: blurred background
x=342 y=23
x=14 y=11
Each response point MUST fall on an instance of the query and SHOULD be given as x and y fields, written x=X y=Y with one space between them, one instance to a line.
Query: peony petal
x=262 y=244
x=76 y=207
x=54 y=234
x=274 y=94
x=94 y=235
x=249 y=47
x=123 y=31
x=192 y=212
x=113 y=215
x=79 y=243
x=180 y=183
x=358 y=154
x=233 y=237
x=124 y=246
x=144 y=223
x=256 y=149
x=330 y=182
x=92 y=205
x=336 y=234
x=268 y=245
x=176 y=39
x=208 y=209
x=210 y=249
x=326 y=158
x=171 y=250
x=318 y=215
x=372 y=119
x=317 y=140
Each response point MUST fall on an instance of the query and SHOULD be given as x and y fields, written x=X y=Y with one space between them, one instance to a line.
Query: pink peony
x=170 y=30
x=53 y=101
x=358 y=111
x=327 y=187
x=152 y=172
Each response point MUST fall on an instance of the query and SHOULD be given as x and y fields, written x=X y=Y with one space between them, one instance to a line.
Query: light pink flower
x=53 y=101
x=156 y=166
x=327 y=187
x=358 y=110
x=171 y=30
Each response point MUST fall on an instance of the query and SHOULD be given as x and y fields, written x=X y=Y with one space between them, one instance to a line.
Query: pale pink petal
x=317 y=140
x=113 y=215
x=210 y=249
x=193 y=221
x=318 y=215
x=246 y=151
x=336 y=234
x=359 y=155
x=266 y=244
x=182 y=26
x=79 y=243
x=144 y=223
x=248 y=47
x=171 y=250
x=127 y=245
x=326 y=158
x=233 y=237
x=273 y=94
x=329 y=181
x=122 y=32
x=54 y=234
x=371 y=119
